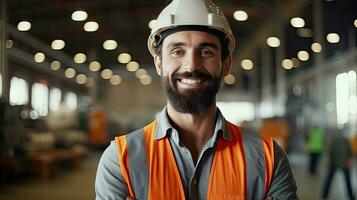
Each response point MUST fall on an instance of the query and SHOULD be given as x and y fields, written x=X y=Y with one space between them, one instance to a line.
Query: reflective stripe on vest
x=241 y=167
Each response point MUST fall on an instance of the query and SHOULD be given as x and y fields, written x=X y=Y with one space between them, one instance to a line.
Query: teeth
x=190 y=81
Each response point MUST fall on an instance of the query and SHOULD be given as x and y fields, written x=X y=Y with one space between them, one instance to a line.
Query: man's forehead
x=195 y=37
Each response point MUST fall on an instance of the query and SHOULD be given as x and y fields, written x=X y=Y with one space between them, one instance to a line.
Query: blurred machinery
x=38 y=146
x=276 y=128
x=98 y=129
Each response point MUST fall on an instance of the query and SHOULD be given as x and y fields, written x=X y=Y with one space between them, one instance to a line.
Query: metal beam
x=26 y=58
x=38 y=45
x=336 y=64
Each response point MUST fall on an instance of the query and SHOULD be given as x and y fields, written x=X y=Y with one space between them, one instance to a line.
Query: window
x=19 y=94
x=266 y=108
x=71 y=100
x=346 y=100
x=55 y=98
x=39 y=98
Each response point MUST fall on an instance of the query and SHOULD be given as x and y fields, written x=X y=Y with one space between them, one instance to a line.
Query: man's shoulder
x=248 y=132
x=136 y=134
x=133 y=134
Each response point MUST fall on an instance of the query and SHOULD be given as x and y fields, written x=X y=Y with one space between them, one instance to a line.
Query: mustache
x=194 y=74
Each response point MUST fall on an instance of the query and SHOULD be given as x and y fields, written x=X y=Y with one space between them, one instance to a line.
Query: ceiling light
x=33 y=115
x=94 y=66
x=55 y=65
x=303 y=55
x=333 y=38
x=297 y=22
x=124 y=58
x=230 y=79
x=132 y=66
x=115 y=80
x=9 y=44
x=355 y=23
x=107 y=74
x=57 y=44
x=316 y=47
x=91 y=26
x=140 y=73
x=24 y=26
x=39 y=57
x=240 y=15
x=287 y=64
x=70 y=73
x=79 y=58
x=152 y=23
x=273 y=42
x=81 y=79
x=146 y=80
x=79 y=15
x=247 y=64
x=110 y=45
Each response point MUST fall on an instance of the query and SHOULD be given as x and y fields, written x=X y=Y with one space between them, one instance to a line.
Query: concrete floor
x=66 y=185
x=80 y=184
x=310 y=187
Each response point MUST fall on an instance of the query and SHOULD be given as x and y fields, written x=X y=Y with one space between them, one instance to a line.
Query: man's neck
x=194 y=129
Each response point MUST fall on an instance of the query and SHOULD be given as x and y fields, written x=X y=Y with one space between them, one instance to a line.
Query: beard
x=193 y=101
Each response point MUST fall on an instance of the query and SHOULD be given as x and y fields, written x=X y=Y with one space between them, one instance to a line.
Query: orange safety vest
x=229 y=174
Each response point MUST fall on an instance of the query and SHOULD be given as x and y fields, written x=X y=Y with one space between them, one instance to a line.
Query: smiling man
x=191 y=151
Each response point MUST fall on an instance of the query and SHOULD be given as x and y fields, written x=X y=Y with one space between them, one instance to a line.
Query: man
x=191 y=151
x=315 y=147
x=339 y=157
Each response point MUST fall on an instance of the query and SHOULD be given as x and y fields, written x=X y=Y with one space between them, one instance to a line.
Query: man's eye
x=176 y=52
x=206 y=53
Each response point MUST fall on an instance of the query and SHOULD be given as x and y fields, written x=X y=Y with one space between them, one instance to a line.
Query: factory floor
x=79 y=184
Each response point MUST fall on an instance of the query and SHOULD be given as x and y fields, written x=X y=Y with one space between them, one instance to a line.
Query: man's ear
x=158 y=64
x=227 y=64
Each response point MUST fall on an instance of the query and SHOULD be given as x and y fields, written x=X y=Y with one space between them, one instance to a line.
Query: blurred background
x=74 y=74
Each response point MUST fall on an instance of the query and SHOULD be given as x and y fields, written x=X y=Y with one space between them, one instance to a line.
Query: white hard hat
x=191 y=13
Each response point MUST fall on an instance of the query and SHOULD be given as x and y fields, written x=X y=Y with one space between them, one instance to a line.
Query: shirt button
x=195 y=182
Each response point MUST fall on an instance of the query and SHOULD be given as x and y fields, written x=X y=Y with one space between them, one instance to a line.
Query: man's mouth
x=190 y=81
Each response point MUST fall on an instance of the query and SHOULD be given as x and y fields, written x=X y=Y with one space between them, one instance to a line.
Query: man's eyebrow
x=175 y=44
x=209 y=44
x=203 y=44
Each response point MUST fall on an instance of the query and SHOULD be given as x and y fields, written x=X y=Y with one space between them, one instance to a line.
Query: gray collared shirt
x=110 y=183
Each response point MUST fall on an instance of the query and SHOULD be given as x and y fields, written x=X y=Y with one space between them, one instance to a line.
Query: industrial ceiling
x=126 y=22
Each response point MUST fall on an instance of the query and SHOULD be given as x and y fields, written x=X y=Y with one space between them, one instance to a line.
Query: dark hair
x=221 y=36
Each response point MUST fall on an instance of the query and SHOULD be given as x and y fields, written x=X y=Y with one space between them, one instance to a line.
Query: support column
x=254 y=87
x=318 y=60
x=3 y=55
x=267 y=109
x=351 y=37
x=281 y=95
x=93 y=90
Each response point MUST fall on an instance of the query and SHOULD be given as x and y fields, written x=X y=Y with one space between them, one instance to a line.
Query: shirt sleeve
x=109 y=182
x=283 y=185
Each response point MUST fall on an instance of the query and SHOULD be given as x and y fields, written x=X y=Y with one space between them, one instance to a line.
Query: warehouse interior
x=75 y=74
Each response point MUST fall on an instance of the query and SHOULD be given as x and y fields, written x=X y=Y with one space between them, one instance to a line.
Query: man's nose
x=192 y=61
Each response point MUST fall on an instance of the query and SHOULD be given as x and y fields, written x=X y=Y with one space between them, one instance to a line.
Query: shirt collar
x=164 y=126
